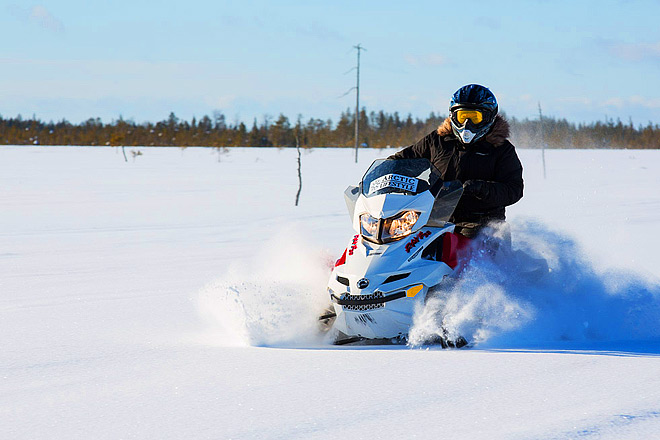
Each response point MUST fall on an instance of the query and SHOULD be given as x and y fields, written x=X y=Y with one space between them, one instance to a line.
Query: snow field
x=170 y=297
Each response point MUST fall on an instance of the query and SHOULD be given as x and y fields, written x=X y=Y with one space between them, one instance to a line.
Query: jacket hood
x=498 y=133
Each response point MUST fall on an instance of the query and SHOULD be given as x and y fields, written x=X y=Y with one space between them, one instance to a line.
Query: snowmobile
x=404 y=246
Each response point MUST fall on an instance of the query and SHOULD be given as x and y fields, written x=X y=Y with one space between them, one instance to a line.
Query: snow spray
x=273 y=299
x=497 y=302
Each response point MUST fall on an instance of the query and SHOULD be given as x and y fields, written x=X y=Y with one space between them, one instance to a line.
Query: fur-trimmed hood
x=498 y=133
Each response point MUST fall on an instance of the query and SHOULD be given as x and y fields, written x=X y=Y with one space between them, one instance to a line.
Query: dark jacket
x=491 y=160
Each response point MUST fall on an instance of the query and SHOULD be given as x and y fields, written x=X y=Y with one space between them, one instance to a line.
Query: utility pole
x=542 y=138
x=357 y=102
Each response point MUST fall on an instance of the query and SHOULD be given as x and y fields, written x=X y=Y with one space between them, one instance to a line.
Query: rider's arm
x=506 y=188
x=421 y=148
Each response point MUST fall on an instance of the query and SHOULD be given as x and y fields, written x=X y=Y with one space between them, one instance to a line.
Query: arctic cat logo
x=394 y=181
x=420 y=235
x=363 y=283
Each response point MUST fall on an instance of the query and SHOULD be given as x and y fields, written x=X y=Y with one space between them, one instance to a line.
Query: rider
x=471 y=146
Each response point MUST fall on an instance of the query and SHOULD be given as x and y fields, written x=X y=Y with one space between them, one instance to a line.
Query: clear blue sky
x=75 y=59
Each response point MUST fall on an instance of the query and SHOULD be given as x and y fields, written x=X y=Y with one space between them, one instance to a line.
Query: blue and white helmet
x=472 y=112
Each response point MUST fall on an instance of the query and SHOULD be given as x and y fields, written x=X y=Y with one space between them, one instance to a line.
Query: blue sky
x=75 y=59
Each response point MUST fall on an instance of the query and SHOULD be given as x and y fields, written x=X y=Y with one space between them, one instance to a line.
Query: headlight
x=369 y=226
x=399 y=226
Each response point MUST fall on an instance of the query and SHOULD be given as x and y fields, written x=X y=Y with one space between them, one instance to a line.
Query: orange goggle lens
x=475 y=116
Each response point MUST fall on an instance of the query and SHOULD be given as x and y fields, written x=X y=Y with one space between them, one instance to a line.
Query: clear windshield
x=406 y=176
x=445 y=202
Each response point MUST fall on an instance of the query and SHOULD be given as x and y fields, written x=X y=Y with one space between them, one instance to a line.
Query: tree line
x=377 y=129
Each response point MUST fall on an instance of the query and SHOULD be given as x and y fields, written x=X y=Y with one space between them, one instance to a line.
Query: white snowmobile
x=404 y=246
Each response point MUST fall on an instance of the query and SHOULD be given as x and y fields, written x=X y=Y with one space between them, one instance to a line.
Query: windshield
x=405 y=176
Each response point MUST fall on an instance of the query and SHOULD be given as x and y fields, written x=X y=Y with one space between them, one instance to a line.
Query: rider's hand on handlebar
x=476 y=188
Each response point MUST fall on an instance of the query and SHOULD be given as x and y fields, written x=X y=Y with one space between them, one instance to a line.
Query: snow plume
x=273 y=299
x=510 y=300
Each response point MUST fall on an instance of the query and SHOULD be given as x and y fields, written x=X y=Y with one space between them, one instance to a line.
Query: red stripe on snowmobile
x=342 y=259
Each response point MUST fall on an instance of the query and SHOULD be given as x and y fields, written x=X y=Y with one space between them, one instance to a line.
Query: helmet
x=472 y=112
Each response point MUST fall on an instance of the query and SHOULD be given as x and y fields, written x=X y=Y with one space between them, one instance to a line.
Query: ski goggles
x=462 y=115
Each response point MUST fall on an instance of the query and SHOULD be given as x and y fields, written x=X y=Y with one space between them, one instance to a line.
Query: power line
x=357 y=102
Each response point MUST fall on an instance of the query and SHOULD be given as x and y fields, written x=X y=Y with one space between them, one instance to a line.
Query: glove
x=476 y=188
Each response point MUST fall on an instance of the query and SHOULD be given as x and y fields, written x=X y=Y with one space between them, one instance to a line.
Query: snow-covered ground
x=174 y=296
